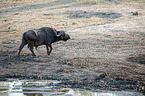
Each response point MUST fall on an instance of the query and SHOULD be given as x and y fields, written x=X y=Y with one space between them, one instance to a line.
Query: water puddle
x=15 y=87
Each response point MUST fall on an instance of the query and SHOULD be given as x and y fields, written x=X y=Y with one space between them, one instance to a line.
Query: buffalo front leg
x=49 y=51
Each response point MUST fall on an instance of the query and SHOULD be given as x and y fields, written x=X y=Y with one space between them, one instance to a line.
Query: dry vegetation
x=104 y=34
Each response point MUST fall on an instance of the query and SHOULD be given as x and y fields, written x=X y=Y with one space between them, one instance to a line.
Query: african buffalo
x=43 y=36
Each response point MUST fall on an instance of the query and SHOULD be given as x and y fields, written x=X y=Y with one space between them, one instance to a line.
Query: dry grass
x=90 y=1
x=102 y=1
x=79 y=1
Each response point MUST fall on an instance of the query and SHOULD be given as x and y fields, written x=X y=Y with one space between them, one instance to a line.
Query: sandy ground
x=106 y=50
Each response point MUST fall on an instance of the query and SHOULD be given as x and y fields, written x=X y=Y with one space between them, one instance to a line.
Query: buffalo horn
x=60 y=32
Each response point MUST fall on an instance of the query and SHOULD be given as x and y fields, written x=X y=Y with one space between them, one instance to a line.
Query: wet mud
x=80 y=72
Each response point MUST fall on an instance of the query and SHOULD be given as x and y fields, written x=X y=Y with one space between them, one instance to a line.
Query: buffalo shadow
x=10 y=57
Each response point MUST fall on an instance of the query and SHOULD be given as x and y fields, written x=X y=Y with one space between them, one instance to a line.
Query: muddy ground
x=106 y=51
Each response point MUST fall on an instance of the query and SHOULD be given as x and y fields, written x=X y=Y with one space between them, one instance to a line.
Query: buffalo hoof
x=18 y=55
x=33 y=55
x=48 y=53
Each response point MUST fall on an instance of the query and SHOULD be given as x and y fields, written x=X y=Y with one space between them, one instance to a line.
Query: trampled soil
x=106 y=51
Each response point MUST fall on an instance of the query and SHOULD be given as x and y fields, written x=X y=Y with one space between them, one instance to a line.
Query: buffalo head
x=63 y=35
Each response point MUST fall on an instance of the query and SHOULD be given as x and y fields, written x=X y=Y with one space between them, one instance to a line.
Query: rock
x=134 y=13
x=60 y=70
x=119 y=78
x=104 y=75
x=85 y=11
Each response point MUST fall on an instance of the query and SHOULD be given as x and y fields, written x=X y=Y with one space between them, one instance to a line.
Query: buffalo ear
x=61 y=37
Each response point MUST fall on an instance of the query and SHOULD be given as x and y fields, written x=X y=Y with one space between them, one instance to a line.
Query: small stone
x=9 y=27
x=102 y=75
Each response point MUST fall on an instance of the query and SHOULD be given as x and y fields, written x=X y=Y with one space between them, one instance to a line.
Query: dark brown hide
x=43 y=36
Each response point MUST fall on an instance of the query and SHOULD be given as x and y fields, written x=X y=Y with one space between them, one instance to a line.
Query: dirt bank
x=106 y=50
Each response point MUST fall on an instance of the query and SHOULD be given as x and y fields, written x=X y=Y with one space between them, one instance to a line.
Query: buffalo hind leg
x=31 y=44
x=31 y=49
x=48 y=52
x=21 y=46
